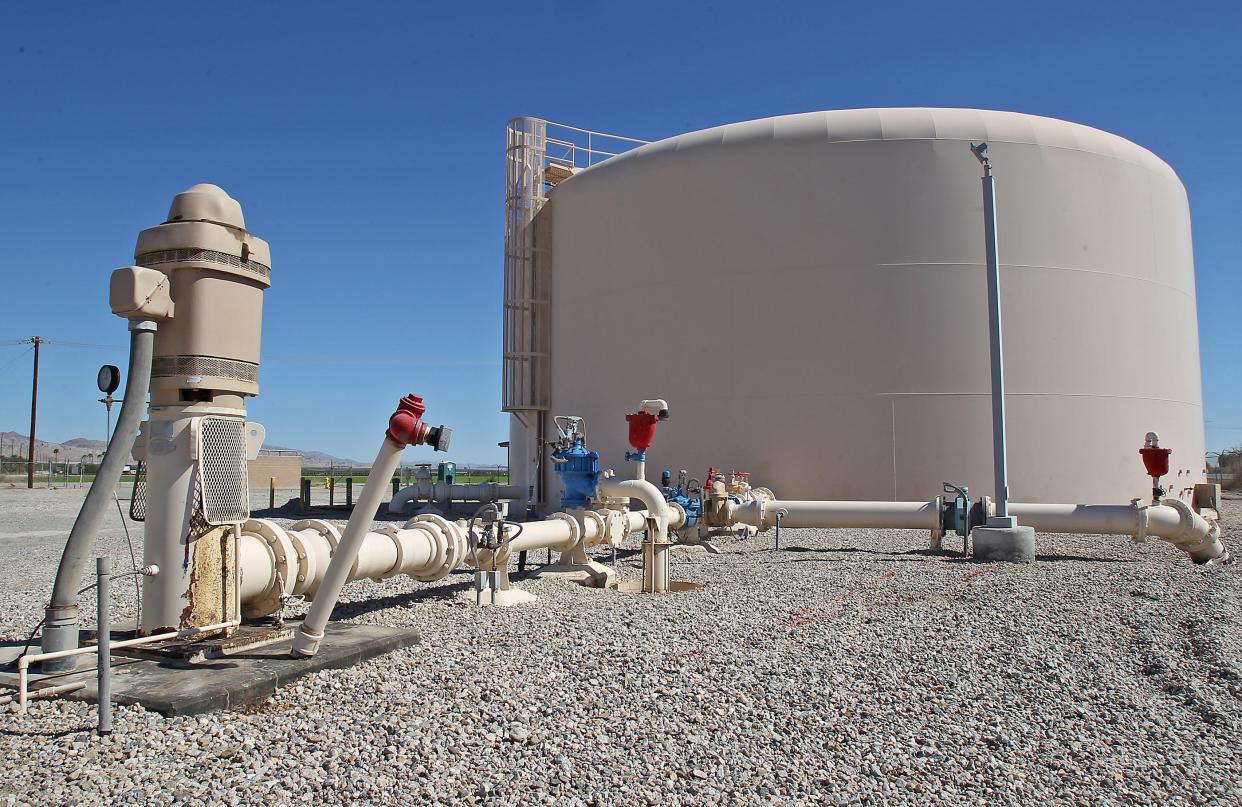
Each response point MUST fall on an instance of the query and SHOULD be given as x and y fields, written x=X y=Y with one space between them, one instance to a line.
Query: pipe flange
x=393 y=534
x=601 y=527
x=575 y=529
x=450 y=549
x=300 y=549
x=279 y=545
x=329 y=531
x=678 y=514
x=439 y=548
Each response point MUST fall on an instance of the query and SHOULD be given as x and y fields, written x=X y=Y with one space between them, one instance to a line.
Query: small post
x=331 y=491
x=271 y=493
x=396 y=485
x=103 y=570
x=304 y=502
x=349 y=491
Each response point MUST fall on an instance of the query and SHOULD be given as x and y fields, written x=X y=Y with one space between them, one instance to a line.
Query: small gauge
x=109 y=378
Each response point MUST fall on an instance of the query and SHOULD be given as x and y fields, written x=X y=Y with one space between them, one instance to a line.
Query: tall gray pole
x=999 y=462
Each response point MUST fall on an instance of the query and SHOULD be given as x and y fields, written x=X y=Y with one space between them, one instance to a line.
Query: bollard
x=396 y=486
x=271 y=493
x=349 y=491
x=103 y=644
x=331 y=491
x=304 y=503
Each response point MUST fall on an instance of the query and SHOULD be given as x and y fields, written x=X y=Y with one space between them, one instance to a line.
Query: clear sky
x=364 y=141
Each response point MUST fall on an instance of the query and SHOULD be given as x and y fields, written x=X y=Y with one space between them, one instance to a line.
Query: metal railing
x=572 y=147
x=532 y=147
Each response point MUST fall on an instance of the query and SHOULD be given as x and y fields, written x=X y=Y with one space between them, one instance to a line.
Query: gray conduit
x=60 y=630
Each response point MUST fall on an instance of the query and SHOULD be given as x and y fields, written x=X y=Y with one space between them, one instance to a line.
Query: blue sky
x=364 y=141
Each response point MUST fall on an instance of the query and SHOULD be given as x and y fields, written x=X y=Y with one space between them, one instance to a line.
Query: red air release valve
x=642 y=429
x=1156 y=461
x=406 y=426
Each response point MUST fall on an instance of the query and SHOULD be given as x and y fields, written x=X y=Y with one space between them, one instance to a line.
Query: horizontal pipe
x=1172 y=521
x=45 y=692
x=24 y=662
x=31 y=658
x=443 y=492
x=875 y=515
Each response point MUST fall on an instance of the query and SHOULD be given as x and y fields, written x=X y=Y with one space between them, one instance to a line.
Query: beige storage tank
x=808 y=293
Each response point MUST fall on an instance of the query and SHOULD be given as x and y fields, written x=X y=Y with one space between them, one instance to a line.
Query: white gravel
x=850 y=668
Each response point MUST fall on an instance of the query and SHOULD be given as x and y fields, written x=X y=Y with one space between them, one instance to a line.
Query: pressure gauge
x=109 y=378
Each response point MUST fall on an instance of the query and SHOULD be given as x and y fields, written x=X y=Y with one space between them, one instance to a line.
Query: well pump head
x=214 y=272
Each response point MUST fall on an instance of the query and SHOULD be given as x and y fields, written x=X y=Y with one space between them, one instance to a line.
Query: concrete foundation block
x=1013 y=544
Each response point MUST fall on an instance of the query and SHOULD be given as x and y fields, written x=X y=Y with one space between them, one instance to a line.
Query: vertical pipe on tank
x=999 y=462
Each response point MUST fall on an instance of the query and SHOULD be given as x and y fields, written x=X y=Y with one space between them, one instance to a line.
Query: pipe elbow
x=640 y=489
x=1195 y=535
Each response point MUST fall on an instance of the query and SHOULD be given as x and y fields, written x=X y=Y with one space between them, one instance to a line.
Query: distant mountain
x=314 y=457
x=14 y=444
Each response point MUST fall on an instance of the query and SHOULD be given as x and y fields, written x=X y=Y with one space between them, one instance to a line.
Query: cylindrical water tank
x=808 y=293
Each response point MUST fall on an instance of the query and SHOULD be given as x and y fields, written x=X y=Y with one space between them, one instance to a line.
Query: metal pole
x=103 y=569
x=34 y=404
x=999 y=463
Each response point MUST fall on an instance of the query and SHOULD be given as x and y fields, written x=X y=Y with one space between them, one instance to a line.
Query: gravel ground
x=852 y=667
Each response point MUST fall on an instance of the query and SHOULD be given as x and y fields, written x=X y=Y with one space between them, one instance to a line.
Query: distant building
x=286 y=467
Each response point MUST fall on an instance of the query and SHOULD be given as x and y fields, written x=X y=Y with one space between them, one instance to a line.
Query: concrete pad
x=1013 y=544
x=246 y=679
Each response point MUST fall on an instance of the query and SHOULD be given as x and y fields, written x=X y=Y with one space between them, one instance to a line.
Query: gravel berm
x=851 y=667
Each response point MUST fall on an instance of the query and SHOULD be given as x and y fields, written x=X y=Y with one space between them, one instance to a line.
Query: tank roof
x=907 y=123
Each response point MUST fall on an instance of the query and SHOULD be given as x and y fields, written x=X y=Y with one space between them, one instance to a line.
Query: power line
x=15 y=359
x=60 y=343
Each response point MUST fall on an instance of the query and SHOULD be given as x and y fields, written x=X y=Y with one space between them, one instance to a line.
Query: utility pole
x=34 y=404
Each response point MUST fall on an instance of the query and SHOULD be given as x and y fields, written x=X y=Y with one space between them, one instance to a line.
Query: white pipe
x=24 y=662
x=656 y=572
x=1172 y=521
x=442 y=493
x=45 y=692
x=310 y=633
x=761 y=514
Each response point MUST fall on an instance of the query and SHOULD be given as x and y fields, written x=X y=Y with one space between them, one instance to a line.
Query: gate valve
x=406 y=426
x=1156 y=461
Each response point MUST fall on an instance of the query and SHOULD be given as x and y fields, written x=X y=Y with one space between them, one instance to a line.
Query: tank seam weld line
x=677 y=145
x=975 y=395
x=967 y=265
x=1043 y=395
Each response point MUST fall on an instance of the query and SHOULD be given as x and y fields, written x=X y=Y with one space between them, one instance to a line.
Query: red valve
x=642 y=429
x=1156 y=460
x=406 y=427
